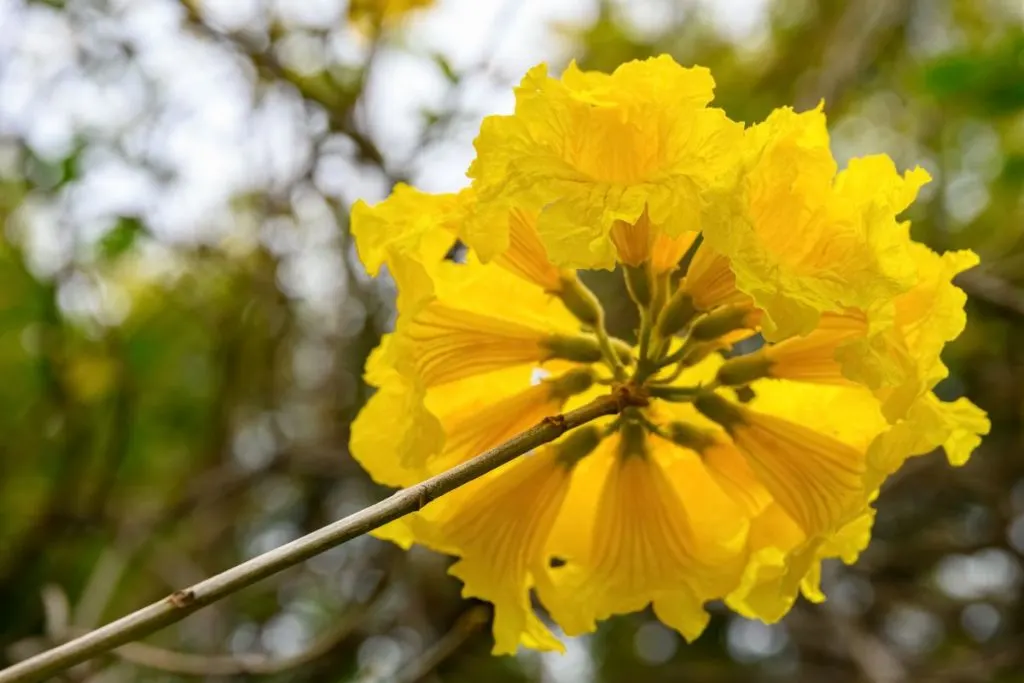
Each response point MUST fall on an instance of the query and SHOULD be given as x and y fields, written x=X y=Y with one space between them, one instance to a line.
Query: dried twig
x=464 y=628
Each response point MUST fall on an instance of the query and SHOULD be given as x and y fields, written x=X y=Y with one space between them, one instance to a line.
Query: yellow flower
x=499 y=526
x=591 y=149
x=706 y=493
x=369 y=16
x=813 y=507
x=661 y=532
x=804 y=240
x=424 y=227
x=899 y=361
x=448 y=335
x=409 y=223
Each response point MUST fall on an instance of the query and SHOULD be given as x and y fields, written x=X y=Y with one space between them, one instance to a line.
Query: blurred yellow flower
x=370 y=16
x=745 y=470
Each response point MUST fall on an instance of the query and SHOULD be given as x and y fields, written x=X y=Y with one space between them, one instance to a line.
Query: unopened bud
x=577 y=349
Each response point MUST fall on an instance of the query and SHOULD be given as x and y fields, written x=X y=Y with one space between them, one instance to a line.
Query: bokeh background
x=183 y=322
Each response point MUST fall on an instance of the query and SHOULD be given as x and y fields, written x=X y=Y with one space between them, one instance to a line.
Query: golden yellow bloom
x=804 y=240
x=499 y=526
x=706 y=493
x=661 y=532
x=369 y=16
x=410 y=223
x=591 y=149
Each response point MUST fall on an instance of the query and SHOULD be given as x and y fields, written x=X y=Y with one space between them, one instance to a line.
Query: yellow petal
x=496 y=409
x=448 y=344
x=803 y=241
x=781 y=556
x=734 y=475
x=641 y=242
x=902 y=359
x=929 y=424
x=709 y=280
x=847 y=545
x=668 y=538
x=408 y=222
x=449 y=327
x=525 y=255
x=591 y=149
x=395 y=429
x=815 y=478
x=632 y=240
x=667 y=251
x=813 y=358
x=499 y=526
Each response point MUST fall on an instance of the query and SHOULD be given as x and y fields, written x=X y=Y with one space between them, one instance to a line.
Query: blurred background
x=183 y=322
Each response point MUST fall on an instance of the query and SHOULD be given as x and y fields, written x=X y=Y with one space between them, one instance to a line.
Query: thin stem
x=608 y=351
x=646 y=364
x=181 y=603
x=467 y=625
x=187 y=664
x=674 y=375
x=676 y=394
x=674 y=357
x=645 y=336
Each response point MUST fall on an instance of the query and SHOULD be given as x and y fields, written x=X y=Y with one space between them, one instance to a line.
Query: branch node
x=182 y=599
x=630 y=395
x=422 y=498
x=557 y=421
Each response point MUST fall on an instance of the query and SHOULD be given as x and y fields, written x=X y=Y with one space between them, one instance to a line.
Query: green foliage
x=990 y=82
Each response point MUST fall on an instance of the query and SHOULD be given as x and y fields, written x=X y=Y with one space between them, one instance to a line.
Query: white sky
x=184 y=107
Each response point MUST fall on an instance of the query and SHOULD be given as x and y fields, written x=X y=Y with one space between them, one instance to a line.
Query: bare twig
x=186 y=664
x=181 y=603
x=464 y=628
x=876 y=661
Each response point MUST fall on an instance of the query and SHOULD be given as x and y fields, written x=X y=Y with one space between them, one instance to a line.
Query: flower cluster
x=745 y=470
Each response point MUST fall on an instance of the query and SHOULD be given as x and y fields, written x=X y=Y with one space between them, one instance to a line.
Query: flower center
x=673 y=319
